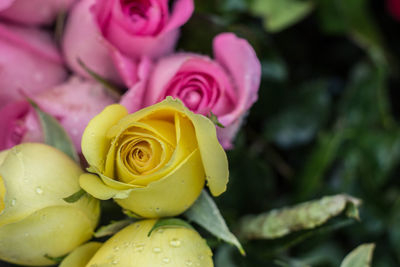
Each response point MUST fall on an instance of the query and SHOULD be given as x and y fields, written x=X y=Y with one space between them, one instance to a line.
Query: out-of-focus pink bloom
x=19 y=124
x=226 y=86
x=33 y=12
x=98 y=32
x=83 y=40
x=29 y=63
x=393 y=7
x=73 y=104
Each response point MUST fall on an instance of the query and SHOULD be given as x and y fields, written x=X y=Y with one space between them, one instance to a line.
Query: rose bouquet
x=152 y=154
x=131 y=129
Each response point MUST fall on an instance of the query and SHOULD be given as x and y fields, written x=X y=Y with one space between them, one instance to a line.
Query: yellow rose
x=35 y=221
x=153 y=162
x=132 y=247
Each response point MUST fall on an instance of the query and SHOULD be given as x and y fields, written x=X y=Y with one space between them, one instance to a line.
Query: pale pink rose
x=226 y=86
x=29 y=63
x=73 y=104
x=33 y=12
x=5 y=4
x=83 y=40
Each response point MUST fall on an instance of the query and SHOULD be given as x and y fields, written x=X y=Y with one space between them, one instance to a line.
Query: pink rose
x=142 y=27
x=73 y=104
x=29 y=63
x=97 y=32
x=33 y=12
x=83 y=40
x=226 y=86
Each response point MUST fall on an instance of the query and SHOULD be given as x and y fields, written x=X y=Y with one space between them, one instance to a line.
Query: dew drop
x=116 y=248
x=39 y=190
x=166 y=260
x=175 y=243
x=160 y=231
x=188 y=263
x=13 y=202
x=139 y=247
x=157 y=250
x=114 y=262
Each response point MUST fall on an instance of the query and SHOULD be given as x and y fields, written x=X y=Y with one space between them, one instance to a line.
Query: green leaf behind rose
x=280 y=222
x=206 y=213
x=359 y=257
x=54 y=133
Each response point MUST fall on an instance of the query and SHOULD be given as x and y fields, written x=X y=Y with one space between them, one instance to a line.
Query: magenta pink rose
x=33 y=12
x=73 y=104
x=226 y=86
x=29 y=63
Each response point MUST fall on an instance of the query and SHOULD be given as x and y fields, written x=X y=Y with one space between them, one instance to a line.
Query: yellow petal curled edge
x=213 y=155
x=94 y=185
x=81 y=255
x=95 y=143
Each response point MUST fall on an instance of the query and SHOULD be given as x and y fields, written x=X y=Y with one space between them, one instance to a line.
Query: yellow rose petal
x=180 y=187
x=95 y=143
x=81 y=256
x=94 y=186
x=213 y=155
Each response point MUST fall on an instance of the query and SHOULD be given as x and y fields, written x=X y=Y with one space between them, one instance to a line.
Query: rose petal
x=239 y=58
x=83 y=40
x=186 y=181
x=95 y=143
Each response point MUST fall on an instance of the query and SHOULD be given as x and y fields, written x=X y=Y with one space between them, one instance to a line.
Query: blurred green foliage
x=326 y=123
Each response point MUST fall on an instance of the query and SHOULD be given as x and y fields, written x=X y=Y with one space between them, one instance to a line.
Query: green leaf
x=169 y=223
x=112 y=228
x=205 y=213
x=359 y=257
x=54 y=133
x=131 y=214
x=280 y=222
x=114 y=90
x=215 y=120
x=75 y=196
x=281 y=14
x=55 y=259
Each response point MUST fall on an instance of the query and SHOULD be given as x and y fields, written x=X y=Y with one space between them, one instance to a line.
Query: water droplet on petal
x=188 y=263
x=166 y=260
x=175 y=243
x=39 y=190
x=160 y=231
x=139 y=247
x=116 y=248
x=114 y=262
x=157 y=250
x=13 y=202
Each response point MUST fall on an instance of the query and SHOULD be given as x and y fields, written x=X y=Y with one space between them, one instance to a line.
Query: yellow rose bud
x=153 y=162
x=173 y=246
x=35 y=221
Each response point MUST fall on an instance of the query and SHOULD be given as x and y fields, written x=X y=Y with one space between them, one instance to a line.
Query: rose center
x=192 y=99
x=135 y=8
